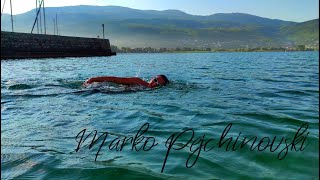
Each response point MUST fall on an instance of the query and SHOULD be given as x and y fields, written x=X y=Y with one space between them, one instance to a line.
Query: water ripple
x=44 y=106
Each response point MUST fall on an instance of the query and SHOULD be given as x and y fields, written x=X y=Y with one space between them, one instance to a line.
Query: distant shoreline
x=172 y=52
x=183 y=52
x=207 y=50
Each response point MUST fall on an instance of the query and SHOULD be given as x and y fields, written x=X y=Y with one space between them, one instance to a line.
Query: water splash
x=109 y=87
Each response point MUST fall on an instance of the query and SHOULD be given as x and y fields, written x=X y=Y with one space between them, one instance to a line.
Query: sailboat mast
x=36 y=15
x=44 y=18
x=3 y=7
x=11 y=15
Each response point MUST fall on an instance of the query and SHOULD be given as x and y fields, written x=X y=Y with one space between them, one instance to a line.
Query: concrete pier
x=26 y=45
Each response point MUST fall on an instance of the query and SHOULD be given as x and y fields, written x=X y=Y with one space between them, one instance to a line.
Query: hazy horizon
x=286 y=10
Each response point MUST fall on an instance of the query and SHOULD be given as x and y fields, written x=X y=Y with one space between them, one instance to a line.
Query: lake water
x=269 y=94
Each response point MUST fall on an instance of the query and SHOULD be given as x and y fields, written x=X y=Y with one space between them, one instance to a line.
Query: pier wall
x=26 y=45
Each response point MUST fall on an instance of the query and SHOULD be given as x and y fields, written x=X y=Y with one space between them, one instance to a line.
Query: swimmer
x=160 y=80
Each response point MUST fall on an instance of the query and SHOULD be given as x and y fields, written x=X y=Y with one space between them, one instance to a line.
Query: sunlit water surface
x=44 y=107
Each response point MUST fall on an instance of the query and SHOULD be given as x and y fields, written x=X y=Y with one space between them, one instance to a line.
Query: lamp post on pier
x=103 y=31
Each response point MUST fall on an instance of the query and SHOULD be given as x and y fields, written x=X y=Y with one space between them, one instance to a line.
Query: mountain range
x=126 y=27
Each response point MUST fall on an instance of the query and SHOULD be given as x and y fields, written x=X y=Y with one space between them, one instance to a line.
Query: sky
x=290 y=10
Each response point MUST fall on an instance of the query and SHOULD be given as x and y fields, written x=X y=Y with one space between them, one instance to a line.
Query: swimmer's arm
x=118 y=80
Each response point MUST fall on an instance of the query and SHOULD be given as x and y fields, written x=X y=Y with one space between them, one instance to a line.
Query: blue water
x=44 y=107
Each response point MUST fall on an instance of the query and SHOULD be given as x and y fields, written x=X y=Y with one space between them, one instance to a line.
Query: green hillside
x=302 y=33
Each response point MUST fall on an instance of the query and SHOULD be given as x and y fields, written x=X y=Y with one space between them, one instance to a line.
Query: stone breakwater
x=26 y=45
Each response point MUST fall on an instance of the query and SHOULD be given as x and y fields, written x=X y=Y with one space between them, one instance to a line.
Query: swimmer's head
x=160 y=80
